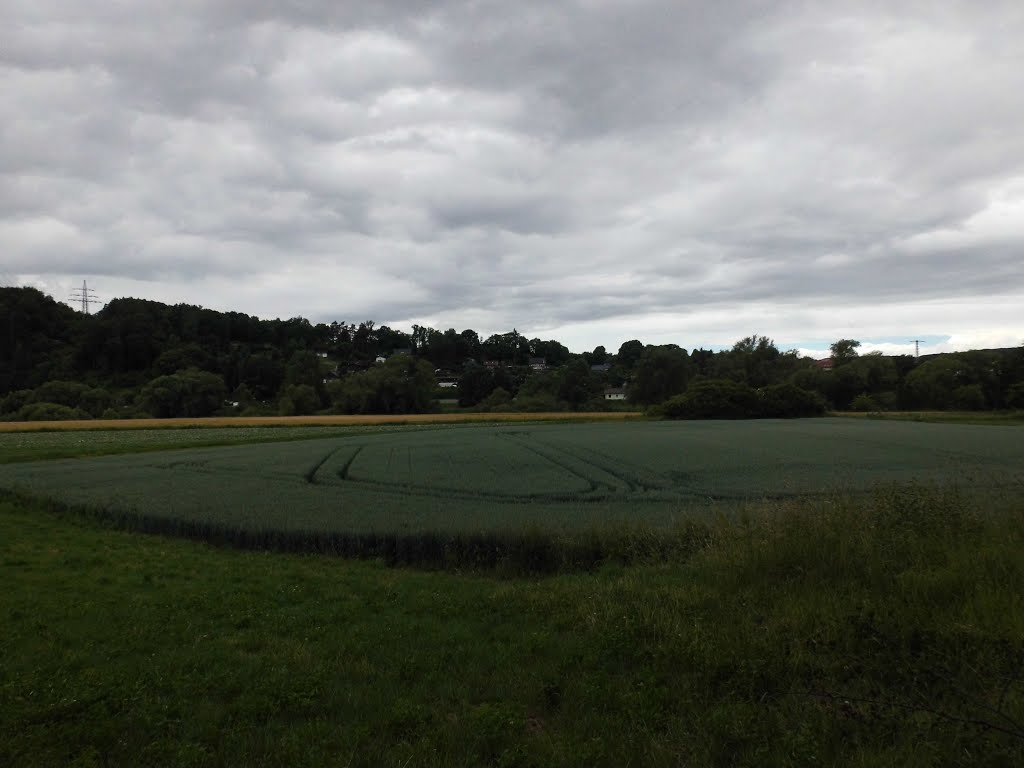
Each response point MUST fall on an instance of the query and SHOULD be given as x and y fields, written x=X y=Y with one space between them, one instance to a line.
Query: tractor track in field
x=636 y=479
x=310 y=475
x=592 y=484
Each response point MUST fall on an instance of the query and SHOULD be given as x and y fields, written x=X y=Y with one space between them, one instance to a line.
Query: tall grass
x=530 y=551
x=847 y=538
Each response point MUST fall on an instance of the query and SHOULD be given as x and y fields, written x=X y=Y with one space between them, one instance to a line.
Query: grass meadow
x=825 y=592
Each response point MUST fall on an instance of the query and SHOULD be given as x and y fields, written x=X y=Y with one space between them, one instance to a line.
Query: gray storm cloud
x=557 y=167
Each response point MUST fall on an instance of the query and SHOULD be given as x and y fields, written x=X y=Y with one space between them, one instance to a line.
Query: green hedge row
x=726 y=399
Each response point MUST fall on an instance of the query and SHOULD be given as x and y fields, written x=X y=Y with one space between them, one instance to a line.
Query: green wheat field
x=558 y=477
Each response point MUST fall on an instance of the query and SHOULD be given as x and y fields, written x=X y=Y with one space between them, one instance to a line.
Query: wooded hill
x=145 y=358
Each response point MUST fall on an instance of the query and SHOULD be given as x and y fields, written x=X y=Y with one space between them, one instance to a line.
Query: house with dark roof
x=615 y=393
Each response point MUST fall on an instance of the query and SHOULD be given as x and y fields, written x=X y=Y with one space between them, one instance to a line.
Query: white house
x=615 y=393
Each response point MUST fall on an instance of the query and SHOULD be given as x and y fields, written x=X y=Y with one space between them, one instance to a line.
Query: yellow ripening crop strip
x=310 y=421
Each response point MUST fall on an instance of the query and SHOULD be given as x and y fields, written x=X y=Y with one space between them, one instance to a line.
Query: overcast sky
x=591 y=171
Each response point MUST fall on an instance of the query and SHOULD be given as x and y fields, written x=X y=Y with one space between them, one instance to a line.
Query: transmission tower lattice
x=86 y=296
x=917 y=347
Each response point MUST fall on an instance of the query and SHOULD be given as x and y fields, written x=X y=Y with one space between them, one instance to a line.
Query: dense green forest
x=139 y=358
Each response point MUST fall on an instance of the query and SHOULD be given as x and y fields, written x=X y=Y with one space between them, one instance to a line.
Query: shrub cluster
x=726 y=399
x=49 y=412
x=55 y=401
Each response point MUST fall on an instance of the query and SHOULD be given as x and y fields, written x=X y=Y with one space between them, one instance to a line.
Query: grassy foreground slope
x=884 y=631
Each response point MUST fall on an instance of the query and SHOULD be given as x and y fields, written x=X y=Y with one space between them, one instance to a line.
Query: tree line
x=144 y=358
